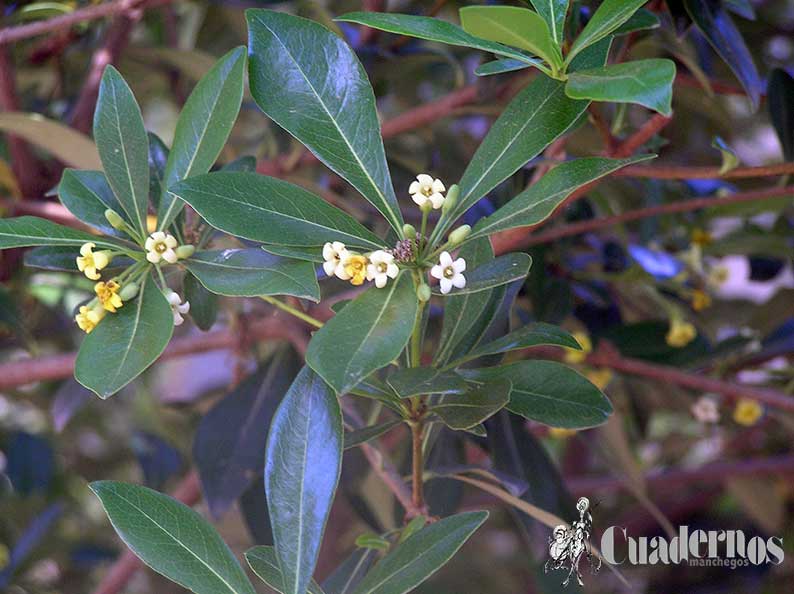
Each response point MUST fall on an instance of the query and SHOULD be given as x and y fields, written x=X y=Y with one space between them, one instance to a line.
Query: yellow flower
x=355 y=267
x=700 y=300
x=681 y=333
x=88 y=317
x=701 y=237
x=600 y=378
x=90 y=262
x=574 y=356
x=108 y=295
x=747 y=412
x=151 y=223
x=561 y=433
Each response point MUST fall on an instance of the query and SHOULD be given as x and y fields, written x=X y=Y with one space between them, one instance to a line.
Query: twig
x=91 y=13
x=122 y=570
x=684 y=172
x=629 y=146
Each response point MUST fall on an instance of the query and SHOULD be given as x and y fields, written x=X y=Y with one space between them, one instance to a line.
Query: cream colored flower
x=681 y=333
x=449 y=273
x=177 y=307
x=355 y=267
x=381 y=268
x=334 y=255
x=705 y=410
x=91 y=262
x=108 y=296
x=426 y=188
x=88 y=317
x=161 y=246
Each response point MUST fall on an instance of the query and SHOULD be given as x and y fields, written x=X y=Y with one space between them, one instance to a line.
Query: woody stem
x=417 y=408
x=417 y=457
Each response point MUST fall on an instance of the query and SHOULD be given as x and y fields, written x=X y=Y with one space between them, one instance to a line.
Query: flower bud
x=426 y=207
x=459 y=235
x=409 y=231
x=185 y=251
x=423 y=293
x=451 y=198
x=114 y=219
x=128 y=291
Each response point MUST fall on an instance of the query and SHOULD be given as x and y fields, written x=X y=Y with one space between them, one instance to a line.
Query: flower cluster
x=378 y=266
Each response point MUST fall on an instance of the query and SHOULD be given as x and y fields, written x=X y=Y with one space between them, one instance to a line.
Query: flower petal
x=437 y=271
x=425 y=179
x=459 y=265
x=446 y=285
x=445 y=259
x=459 y=281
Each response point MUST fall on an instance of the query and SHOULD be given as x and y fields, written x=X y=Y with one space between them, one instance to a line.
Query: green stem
x=293 y=311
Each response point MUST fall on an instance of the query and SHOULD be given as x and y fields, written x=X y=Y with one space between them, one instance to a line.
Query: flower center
x=427 y=191
x=382 y=267
x=449 y=272
x=160 y=247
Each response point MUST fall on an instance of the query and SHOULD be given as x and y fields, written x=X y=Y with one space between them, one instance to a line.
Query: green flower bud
x=185 y=251
x=409 y=231
x=115 y=219
x=128 y=291
x=451 y=198
x=423 y=293
x=459 y=235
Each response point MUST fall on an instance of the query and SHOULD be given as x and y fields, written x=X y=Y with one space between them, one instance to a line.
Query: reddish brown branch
x=684 y=172
x=652 y=127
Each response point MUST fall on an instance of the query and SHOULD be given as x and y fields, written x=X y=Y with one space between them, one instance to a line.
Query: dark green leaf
x=365 y=434
x=550 y=393
x=421 y=555
x=374 y=389
x=468 y=410
x=646 y=82
x=253 y=272
x=721 y=32
x=172 y=539
x=29 y=231
x=158 y=156
x=308 y=253
x=413 y=381
x=499 y=271
x=553 y=12
x=53 y=257
x=244 y=163
x=780 y=95
x=641 y=20
x=123 y=146
x=87 y=195
x=309 y=81
x=352 y=570
x=270 y=210
x=302 y=466
x=432 y=30
x=203 y=303
x=500 y=67
x=512 y=25
x=203 y=127
x=525 y=128
x=125 y=343
x=264 y=563
x=610 y=15
x=533 y=334
x=539 y=200
x=229 y=445
x=369 y=333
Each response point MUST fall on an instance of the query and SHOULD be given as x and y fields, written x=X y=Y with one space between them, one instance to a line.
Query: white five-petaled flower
x=381 y=268
x=426 y=188
x=177 y=307
x=449 y=273
x=335 y=255
x=705 y=410
x=161 y=246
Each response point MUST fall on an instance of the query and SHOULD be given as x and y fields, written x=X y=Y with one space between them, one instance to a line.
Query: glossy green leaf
x=270 y=210
x=467 y=316
x=539 y=200
x=123 y=146
x=302 y=466
x=646 y=82
x=721 y=32
x=125 y=343
x=172 y=539
x=369 y=333
x=642 y=20
x=609 y=15
x=29 y=231
x=87 y=195
x=203 y=303
x=512 y=25
x=468 y=410
x=358 y=436
x=253 y=272
x=54 y=257
x=421 y=555
x=499 y=271
x=550 y=393
x=264 y=563
x=297 y=252
x=158 y=157
x=780 y=95
x=554 y=13
x=350 y=572
x=431 y=29
x=538 y=115
x=309 y=81
x=412 y=381
x=533 y=334
x=374 y=389
x=203 y=127
x=500 y=67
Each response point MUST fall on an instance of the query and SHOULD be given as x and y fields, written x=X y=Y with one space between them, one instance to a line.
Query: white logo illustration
x=568 y=544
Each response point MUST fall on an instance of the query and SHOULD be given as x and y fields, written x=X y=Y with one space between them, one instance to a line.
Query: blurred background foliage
x=705 y=293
